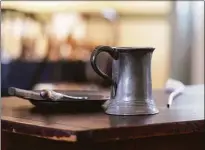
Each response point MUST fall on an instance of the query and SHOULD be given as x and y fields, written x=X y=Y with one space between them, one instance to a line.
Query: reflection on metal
x=131 y=92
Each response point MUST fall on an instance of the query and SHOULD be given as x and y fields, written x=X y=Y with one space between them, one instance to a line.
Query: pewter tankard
x=131 y=90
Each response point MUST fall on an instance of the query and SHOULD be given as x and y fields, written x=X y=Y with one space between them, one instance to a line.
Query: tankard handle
x=112 y=51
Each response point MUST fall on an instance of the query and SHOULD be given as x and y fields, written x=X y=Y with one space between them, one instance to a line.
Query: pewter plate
x=94 y=101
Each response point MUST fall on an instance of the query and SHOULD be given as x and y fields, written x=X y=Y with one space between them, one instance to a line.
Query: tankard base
x=120 y=109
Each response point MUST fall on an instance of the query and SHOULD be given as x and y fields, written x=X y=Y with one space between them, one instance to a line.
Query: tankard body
x=131 y=91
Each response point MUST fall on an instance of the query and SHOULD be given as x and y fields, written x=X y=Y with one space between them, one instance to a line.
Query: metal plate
x=94 y=101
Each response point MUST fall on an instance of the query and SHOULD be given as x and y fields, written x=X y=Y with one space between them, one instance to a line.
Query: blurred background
x=48 y=44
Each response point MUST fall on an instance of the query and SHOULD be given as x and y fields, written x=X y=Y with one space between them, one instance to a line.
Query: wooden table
x=180 y=127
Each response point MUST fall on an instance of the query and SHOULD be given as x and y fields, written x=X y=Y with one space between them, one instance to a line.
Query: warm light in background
x=156 y=7
x=63 y=24
x=129 y=23
x=40 y=6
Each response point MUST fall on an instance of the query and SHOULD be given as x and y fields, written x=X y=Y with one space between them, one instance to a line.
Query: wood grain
x=184 y=117
x=173 y=142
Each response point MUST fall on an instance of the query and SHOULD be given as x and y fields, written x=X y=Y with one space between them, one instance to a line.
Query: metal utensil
x=55 y=96
x=43 y=95
x=26 y=94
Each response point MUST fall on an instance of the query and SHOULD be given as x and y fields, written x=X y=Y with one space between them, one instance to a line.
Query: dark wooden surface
x=179 y=128
x=186 y=116
x=194 y=141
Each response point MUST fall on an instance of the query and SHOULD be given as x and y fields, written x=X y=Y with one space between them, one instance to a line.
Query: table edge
x=38 y=131
x=153 y=130
x=105 y=134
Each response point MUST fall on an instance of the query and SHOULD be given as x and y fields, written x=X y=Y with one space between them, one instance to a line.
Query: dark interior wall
x=20 y=74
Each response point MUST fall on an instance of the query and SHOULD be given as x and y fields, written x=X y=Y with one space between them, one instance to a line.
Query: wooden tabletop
x=185 y=116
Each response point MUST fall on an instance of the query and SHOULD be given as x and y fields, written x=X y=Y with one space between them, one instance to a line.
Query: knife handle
x=23 y=93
